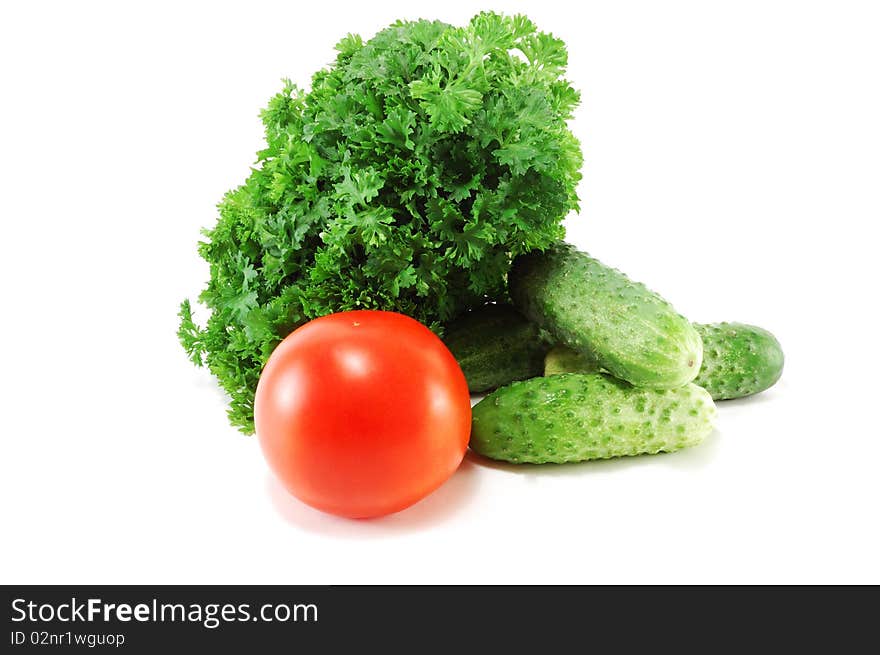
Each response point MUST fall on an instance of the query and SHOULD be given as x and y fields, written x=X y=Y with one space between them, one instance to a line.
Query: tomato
x=362 y=413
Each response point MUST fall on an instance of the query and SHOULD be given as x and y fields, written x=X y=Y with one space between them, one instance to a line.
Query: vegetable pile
x=628 y=376
x=420 y=163
x=427 y=172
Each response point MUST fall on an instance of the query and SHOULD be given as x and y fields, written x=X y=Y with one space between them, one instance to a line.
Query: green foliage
x=418 y=165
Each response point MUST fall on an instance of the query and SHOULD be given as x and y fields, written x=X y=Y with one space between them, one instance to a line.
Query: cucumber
x=495 y=345
x=573 y=417
x=634 y=334
x=561 y=359
x=738 y=360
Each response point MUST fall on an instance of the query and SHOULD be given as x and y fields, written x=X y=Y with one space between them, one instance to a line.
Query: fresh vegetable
x=495 y=345
x=561 y=359
x=362 y=413
x=634 y=334
x=573 y=417
x=738 y=360
x=419 y=163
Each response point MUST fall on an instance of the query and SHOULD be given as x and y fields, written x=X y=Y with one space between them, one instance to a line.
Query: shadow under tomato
x=436 y=508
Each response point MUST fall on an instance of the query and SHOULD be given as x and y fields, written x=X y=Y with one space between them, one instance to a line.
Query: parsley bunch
x=418 y=165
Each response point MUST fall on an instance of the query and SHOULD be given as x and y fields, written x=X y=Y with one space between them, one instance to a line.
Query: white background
x=732 y=163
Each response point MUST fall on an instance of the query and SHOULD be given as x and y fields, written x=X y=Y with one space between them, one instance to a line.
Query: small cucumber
x=573 y=417
x=561 y=359
x=634 y=334
x=495 y=345
x=738 y=360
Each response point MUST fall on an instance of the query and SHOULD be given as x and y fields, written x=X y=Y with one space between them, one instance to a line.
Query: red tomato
x=362 y=413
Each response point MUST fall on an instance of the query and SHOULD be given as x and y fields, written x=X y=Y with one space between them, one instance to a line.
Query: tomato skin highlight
x=362 y=413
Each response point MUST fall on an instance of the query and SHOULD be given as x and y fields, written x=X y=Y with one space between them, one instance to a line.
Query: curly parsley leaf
x=406 y=179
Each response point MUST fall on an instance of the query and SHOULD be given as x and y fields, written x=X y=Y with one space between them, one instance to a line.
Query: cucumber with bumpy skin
x=495 y=345
x=634 y=334
x=573 y=417
x=561 y=359
x=738 y=360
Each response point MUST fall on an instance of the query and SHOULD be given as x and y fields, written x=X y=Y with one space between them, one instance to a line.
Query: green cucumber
x=561 y=359
x=495 y=345
x=573 y=417
x=634 y=334
x=738 y=360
